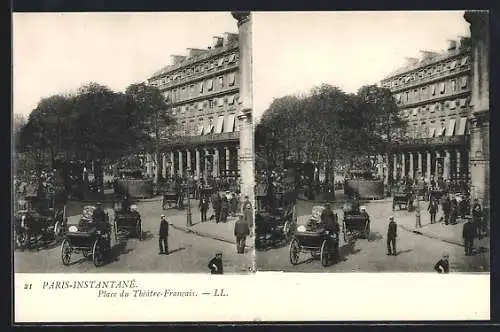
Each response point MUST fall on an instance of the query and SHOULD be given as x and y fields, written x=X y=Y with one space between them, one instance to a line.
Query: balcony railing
x=194 y=140
x=434 y=141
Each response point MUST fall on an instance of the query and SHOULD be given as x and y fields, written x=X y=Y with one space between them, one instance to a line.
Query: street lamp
x=189 y=221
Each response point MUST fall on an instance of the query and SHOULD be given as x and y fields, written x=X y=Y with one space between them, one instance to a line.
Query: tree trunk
x=159 y=166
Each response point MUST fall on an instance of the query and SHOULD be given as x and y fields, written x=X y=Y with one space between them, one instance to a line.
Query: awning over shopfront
x=461 y=127
x=451 y=128
x=220 y=125
x=200 y=129
x=229 y=124
x=208 y=129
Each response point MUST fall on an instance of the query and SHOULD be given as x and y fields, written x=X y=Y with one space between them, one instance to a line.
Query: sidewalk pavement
x=218 y=231
x=446 y=233
x=340 y=197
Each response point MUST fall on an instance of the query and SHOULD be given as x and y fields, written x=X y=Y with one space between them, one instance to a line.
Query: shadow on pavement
x=348 y=250
x=147 y=235
x=177 y=250
x=404 y=251
x=374 y=236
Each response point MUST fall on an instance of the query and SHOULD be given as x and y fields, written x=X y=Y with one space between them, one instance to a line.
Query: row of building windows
x=436 y=107
x=433 y=90
x=437 y=129
x=198 y=89
x=210 y=103
x=220 y=124
x=439 y=68
x=198 y=69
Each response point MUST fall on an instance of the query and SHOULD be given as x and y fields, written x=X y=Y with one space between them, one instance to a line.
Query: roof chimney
x=177 y=59
x=217 y=42
x=452 y=45
x=229 y=38
x=193 y=52
x=411 y=61
x=427 y=54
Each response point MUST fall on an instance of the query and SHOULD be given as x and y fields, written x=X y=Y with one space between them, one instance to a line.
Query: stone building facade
x=434 y=96
x=203 y=91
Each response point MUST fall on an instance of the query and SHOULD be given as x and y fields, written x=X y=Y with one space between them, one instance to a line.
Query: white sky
x=295 y=51
x=59 y=52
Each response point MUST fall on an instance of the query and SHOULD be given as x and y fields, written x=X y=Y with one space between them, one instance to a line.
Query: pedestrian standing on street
x=234 y=204
x=443 y=265
x=216 y=206
x=215 y=264
x=391 y=236
x=224 y=208
x=241 y=231
x=446 y=205
x=248 y=212
x=418 y=223
x=454 y=211
x=477 y=214
x=203 y=207
x=433 y=209
x=163 y=235
x=468 y=234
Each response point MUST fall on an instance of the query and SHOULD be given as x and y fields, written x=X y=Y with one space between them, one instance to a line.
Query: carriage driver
x=99 y=217
x=329 y=220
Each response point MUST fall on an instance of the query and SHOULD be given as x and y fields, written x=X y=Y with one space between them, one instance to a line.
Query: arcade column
x=245 y=118
x=479 y=117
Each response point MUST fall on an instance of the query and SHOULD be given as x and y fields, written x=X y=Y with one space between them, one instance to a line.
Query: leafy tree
x=155 y=122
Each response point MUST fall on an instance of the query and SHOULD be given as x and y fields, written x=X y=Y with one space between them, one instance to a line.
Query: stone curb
x=207 y=235
x=431 y=236
x=345 y=201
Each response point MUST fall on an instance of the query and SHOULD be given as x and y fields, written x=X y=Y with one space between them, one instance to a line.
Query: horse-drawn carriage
x=127 y=221
x=275 y=217
x=38 y=219
x=356 y=222
x=170 y=196
x=403 y=198
x=87 y=238
x=315 y=239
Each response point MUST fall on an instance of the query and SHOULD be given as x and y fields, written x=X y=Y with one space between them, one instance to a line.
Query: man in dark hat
x=241 y=231
x=99 y=216
x=215 y=264
x=476 y=217
x=203 y=207
x=248 y=212
x=163 y=235
x=391 y=236
x=468 y=234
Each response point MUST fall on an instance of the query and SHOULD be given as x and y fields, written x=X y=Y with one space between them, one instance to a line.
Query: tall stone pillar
x=206 y=164
x=228 y=156
x=403 y=165
x=428 y=170
x=458 y=164
x=446 y=165
x=172 y=163
x=216 y=163
x=198 y=166
x=188 y=160
x=181 y=164
x=246 y=104
x=419 y=163
x=410 y=171
x=164 y=165
x=479 y=156
x=149 y=165
x=394 y=167
x=436 y=167
x=380 y=162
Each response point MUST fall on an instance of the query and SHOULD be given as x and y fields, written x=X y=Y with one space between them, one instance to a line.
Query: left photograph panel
x=126 y=135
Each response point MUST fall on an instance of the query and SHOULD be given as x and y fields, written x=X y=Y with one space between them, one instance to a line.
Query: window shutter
x=220 y=62
x=232 y=78
x=442 y=87
x=201 y=87
x=231 y=58
x=210 y=84
x=433 y=89
x=464 y=82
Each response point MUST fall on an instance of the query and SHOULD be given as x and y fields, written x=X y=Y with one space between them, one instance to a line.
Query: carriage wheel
x=286 y=231
x=65 y=252
x=139 y=230
x=294 y=252
x=57 y=230
x=324 y=254
x=97 y=254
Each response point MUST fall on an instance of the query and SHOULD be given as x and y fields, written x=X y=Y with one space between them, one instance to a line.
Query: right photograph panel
x=372 y=141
